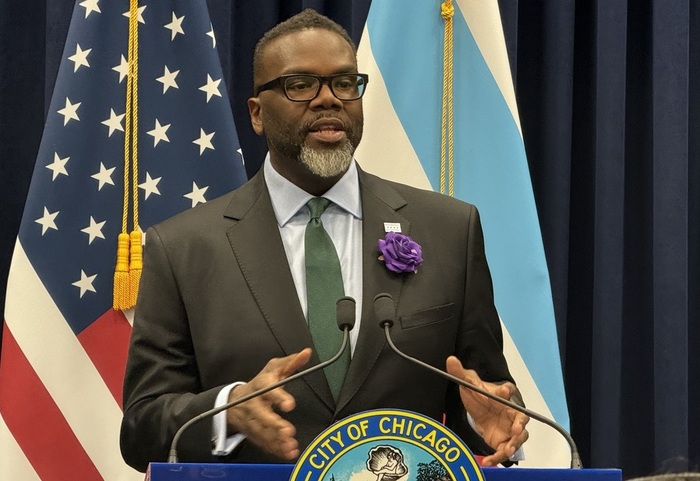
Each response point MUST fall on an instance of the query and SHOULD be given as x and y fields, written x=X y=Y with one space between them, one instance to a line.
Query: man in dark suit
x=223 y=299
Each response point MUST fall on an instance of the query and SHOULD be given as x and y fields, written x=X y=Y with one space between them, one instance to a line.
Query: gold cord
x=447 y=123
x=127 y=273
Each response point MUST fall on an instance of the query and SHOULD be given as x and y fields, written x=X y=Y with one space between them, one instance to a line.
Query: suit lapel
x=257 y=245
x=380 y=204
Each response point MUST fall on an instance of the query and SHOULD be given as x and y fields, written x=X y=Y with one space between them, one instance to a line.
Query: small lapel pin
x=392 y=227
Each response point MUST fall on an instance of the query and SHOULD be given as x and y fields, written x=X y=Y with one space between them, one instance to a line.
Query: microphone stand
x=387 y=324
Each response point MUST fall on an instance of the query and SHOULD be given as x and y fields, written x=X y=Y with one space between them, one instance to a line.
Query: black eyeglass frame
x=328 y=80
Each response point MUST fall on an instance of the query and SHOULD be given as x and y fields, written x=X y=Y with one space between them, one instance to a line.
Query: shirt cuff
x=222 y=442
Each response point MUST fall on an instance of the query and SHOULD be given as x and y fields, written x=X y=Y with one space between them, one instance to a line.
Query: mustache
x=306 y=126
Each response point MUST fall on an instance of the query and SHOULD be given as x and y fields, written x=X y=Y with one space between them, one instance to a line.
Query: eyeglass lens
x=306 y=87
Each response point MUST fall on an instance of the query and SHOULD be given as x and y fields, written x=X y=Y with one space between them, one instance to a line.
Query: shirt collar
x=288 y=199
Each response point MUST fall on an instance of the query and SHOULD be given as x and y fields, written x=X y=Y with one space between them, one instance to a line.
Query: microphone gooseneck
x=385 y=314
x=345 y=310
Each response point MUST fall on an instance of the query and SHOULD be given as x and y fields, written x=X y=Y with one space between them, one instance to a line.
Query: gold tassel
x=135 y=266
x=121 y=273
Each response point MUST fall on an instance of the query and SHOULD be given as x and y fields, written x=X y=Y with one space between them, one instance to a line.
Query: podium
x=282 y=472
x=389 y=444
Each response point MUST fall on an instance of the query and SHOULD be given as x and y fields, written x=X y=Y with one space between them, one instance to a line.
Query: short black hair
x=306 y=19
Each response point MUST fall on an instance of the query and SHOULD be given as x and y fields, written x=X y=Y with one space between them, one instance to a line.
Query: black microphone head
x=384 y=309
x=345 y=313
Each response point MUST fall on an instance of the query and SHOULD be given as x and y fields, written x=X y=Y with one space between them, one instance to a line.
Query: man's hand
x=503 y=428
x=257 y=419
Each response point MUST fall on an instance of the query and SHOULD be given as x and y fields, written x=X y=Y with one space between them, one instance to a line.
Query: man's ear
x=255 y=111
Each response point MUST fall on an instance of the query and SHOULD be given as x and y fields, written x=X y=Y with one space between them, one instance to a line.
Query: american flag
x=64 y=347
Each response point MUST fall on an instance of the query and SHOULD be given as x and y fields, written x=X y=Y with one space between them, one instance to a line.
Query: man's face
x=315 y=138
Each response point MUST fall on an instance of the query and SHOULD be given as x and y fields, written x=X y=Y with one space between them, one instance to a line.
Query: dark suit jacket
x=217 y=301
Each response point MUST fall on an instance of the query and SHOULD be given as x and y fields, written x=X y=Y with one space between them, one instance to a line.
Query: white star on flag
x=114 y=122
x=79 y=58
x=168 y=79
x=122 y=68
x=104 y=176
x=175 y=26
x=90 y=6
x=204 y=141
x=139 y=14
x=47 y=221
x=94 y=230
x=70 y=112
x=212 y=35
x=211 y=88
x=159 y=133
x=150 y=186
x=197 y=194
x=58 y=166
x=85 y=283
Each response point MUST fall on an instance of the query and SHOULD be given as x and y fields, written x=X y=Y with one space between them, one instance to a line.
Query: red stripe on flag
x=106 y=342
x=36 y=422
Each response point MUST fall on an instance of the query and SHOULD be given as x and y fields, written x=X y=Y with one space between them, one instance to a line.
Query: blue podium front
x=282 y=472
x=378 y=445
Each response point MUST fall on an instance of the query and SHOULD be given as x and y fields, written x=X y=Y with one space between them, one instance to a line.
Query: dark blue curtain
x=609 y=97
x=608 y=93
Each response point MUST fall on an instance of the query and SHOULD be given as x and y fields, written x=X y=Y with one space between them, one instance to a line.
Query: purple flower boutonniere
x=400 y=253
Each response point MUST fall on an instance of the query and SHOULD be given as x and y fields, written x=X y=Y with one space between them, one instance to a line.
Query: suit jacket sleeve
x=480 y=345
x=161 y=378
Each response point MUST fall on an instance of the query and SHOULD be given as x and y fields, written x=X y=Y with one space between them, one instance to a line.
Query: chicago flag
x=402 y=51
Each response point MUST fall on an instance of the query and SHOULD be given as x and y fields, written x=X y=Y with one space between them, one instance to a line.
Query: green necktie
x=324 y=286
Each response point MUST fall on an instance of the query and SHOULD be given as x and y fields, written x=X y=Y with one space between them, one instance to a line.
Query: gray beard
x=327 y=162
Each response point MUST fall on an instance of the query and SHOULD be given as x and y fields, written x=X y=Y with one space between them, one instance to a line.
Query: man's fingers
x=279 y=399
x=506 y=450
x=519 y=439
x=505 y=390
x=279 y=439
x=495 y=459
x=288 y=447
x=294 y=362
x=503 y=453
x=520 y=422
x=273 y=434
x=453 y=365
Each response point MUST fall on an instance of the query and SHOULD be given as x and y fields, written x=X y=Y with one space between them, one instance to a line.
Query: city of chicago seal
x=387 y=445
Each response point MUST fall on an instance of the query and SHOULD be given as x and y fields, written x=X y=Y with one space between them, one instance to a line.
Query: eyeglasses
x=303 y=88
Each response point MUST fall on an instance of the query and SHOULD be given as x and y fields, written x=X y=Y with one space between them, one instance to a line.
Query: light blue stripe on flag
x=490 y=168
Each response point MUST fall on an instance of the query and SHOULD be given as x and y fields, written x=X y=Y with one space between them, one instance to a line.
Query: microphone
x=345 y=317
x=385 y=312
